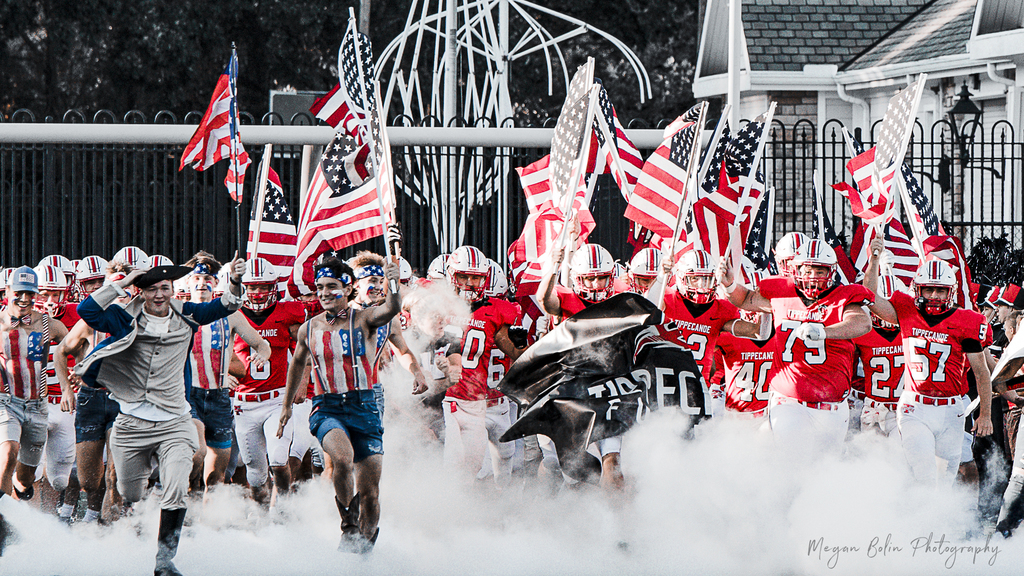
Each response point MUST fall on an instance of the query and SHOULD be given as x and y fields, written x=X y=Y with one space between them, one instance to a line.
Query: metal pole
x=735 y=23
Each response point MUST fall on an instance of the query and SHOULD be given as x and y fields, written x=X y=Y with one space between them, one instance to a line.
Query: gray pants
x=133 y=444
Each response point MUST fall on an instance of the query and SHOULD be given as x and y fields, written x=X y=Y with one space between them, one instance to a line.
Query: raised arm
x=378 y=316
x=296 y=368
x=548 y=280
x=737 y=292
x=882 y=307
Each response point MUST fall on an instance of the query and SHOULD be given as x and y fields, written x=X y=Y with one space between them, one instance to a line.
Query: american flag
x=569 y=133
x=611 y=149
x=218 y=132
x=534 y=178
x=871 y=203
x=894 y=132
x=949 y=249
x=381 y=149
x=526 y=255
x=823 y=230
x=354 y=56
x=332 y=109
x=920 y=215
x=758 y=247
x=904 y=261
x=277 y=230
x=340 y=207
x=658 y=195
x=743 y=152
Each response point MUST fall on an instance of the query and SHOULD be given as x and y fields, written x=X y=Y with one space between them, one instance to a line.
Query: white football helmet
x=51 y=278
x=935 y=274
x=90 y=268
x=132 y=256
x=591 y=261
x=404 y=270
x=438 y=268
x=695 y=277
x=785 y=249
x=497 y=282
x=470 y=261
x=259 y=272
x=818 y=254
x=644 y=267
x=61 y=263
x=158 y=260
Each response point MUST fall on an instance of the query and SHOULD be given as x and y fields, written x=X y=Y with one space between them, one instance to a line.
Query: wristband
x=731 y=287
x=233 y=281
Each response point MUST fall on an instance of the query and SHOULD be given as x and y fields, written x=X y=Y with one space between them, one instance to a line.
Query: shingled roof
x=942 y=28
x=785 y=35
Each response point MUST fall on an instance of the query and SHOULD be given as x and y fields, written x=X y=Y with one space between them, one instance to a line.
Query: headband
x=328 y=272
x=371 y=270
x=203 y=268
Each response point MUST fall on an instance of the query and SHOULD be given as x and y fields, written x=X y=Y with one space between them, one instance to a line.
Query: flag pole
x=232 y=77
x=261 y=197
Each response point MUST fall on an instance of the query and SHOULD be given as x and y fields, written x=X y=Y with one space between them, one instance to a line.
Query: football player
x=815 y=321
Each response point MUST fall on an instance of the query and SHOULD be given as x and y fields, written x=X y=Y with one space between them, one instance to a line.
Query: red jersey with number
x=478 y=331
x=935 y=347
x=696 y=326
x=743 y=365
x=823 y=370
x=499 y=364
x=273 y=329
x=881 y=354
x=68 y=317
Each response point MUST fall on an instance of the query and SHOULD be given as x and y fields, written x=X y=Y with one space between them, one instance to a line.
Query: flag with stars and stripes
x=948 y=248
x=869 y=201
x=920 y=214
x=757 y=247
x=824 y=231
x=340 y=207
x=380 y=147
x=344 y=104
x=611 y=150
x=277 y=230
x=903 y=262
x=570 y=130
x=658 y=196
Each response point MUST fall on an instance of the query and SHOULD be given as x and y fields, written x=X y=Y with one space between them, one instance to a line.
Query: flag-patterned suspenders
x=41 y=378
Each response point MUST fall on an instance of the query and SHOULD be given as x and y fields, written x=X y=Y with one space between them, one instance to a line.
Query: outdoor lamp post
x=958 y=119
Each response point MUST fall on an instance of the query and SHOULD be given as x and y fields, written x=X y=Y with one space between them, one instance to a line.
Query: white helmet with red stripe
x=438 y=268
x=158 y=260
x=468 y=261
x=786 y=248
x=259 y=272
x=646 y=263
x=132 y=256
x=935 y=274
x=592 y=261
x=91 y=268
x=5 y=276
x=50 y=279
x=814 y=254
x=695 y=277
x=61 y=263
x=497 y=282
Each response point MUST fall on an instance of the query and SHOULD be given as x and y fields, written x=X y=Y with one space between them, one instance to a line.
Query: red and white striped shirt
x=23 y=363
x=339 y=364
x=210 y=354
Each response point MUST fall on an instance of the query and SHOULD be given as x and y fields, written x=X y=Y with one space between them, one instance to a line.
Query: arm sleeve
x=206 y=312
x=98 y=313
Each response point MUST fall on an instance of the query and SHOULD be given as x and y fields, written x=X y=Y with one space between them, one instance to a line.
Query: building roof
x=942 y=28
x=785 y=35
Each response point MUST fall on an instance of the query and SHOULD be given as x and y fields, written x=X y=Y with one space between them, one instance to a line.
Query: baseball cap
x=24 y=279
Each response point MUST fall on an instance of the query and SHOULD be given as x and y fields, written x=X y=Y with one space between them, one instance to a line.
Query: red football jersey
x=823 y=371
x=881 y=354
x=477 y=343
x=935 y=348
x=743 y=364
x=274 y=329
x=68 y=317
x=698 y=332
x=569 y=301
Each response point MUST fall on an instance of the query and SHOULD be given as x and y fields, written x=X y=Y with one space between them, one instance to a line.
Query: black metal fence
x=81 y=199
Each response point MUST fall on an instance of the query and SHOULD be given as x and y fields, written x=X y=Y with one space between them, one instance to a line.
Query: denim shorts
x=356 y=413
x=213 y=409
x=94 y=414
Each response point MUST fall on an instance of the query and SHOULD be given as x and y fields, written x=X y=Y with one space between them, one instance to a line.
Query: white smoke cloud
x=720 y=504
